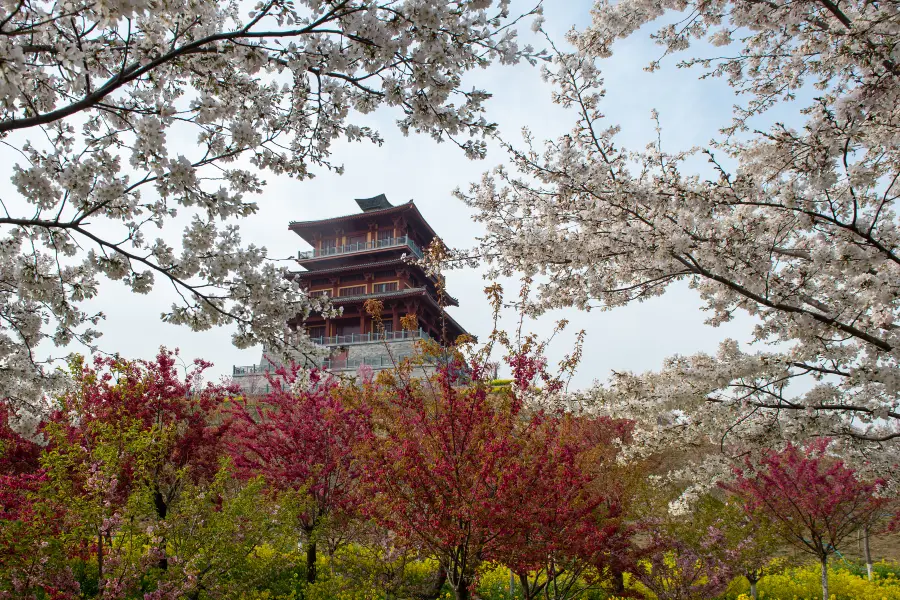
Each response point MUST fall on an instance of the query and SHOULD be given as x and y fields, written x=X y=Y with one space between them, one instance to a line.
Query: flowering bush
x=151 y=486
x=804 y=582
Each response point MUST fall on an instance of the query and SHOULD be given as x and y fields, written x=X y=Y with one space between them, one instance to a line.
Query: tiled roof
x=374 y=203
x=405 y=293
x=298 y=225
x=367 y=214
x=371 y=265
x=381 y=295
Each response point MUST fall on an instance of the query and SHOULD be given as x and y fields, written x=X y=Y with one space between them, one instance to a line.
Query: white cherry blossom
x=797 y=226
x=98 y=98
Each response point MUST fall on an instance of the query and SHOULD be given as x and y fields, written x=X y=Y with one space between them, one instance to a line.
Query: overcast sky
x=636 y=338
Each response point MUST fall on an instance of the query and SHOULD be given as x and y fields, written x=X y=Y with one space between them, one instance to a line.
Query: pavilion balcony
x=244 y=371
x=394 y=242
x=331 y=364
x=370 y=338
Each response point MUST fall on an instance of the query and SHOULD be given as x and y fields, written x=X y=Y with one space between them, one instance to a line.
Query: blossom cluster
x=796 y=226
x=121 y=116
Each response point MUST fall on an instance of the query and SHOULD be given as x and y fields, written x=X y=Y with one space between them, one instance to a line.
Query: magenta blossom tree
x=301 y=438
x=814 y=500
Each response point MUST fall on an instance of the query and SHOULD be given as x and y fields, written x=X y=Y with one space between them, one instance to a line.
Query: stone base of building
x=341 y=360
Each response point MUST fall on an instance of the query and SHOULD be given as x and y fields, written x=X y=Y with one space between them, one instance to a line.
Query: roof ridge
x=395 y=293
x=380 y=263
x=369 y=213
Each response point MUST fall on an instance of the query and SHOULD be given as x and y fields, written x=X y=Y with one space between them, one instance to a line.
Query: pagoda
x=370 y=255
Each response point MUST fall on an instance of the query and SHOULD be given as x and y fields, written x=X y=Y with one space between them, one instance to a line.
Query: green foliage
x=357 y=572
x=494 y=584
x=224 y=538
x=880 y=570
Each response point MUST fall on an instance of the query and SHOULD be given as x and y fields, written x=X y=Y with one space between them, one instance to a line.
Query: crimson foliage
x=301 y=437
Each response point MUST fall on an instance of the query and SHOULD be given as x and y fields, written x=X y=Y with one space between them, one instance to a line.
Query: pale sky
x=635 y=338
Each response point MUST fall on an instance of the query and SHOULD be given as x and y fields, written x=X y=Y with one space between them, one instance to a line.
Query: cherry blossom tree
x=813 y=500
x=794 y=224
x=117 y=117
x=301 y=438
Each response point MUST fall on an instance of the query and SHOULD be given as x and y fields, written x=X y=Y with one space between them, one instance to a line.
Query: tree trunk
x=162 y=509
x=100 y=562
x=825 y=577
x=753 y=593
x=867 y=552
x=618 y=583
x=311 y=562
x=461 y=589
x=529 y=591
x=433 y=591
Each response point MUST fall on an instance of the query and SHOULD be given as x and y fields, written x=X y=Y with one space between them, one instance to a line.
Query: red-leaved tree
x=814 y=500
x=674 y=569
x=122 y=430
x=573 y=503
x=28 y=527
x=468 y=474
x=446 y=474
x=301 y=438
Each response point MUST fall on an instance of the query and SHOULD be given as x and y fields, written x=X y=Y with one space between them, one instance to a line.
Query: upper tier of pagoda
x=380 y=232
x=365 y=256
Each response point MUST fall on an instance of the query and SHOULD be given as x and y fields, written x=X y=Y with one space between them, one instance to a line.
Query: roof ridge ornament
x=378 y=202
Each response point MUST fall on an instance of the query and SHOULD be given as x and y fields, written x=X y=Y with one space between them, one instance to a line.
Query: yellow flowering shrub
x=348 y=582
x=493 y=583
x=804 y=583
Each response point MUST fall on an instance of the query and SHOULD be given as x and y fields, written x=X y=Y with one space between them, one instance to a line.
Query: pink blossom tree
x=445 y=474
x=301 y=439
x=29 y=528
x=176 y=412
x=813 y=500
x=573 y=504
x=472 y=473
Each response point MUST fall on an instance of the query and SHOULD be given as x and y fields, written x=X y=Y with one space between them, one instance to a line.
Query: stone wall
x=378 y=355
x=381 y=350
